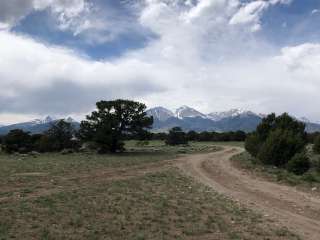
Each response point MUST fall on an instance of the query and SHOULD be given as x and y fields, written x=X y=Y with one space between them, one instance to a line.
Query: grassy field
x=235 y=144
x=309 y=179
x=134 y=195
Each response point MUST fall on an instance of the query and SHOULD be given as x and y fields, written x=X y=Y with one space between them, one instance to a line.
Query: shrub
x=176 y=137
x=310 y=177
x=44 y=144
x=316 y=146
x=252 y=144
x=59 y=136
x=316 y=164
x=17 y=141
x=277 y=139
x=280 y=147
x=299 y=164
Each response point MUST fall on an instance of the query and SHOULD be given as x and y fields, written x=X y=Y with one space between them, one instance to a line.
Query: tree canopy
x=108 y=125
x=58 y=137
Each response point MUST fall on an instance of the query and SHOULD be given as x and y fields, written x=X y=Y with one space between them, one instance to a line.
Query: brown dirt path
x=299 y=211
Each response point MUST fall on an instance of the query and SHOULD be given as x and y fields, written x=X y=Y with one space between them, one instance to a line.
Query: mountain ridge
x=185 y=117
x=232 y=120
x=37 y=125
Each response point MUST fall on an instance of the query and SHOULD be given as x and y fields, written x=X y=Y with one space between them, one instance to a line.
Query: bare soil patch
x=299 y=211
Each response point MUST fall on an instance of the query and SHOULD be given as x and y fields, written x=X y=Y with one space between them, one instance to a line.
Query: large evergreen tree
x=112 y=121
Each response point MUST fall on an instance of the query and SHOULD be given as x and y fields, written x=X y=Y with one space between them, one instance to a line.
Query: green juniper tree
x=112 y=122
x=277 y=140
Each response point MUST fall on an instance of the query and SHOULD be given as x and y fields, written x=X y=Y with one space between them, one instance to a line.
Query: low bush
x=252 y=144
x=176 y=137
x=17 y=141
x=316 y=146
x=299 y=164
x=310 y=177
x=280 y=147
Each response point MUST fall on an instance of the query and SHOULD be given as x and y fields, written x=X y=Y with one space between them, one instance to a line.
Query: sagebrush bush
x=299 y=164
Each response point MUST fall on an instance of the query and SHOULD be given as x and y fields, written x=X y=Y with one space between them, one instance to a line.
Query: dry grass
x=136 y=195
x=162 y=205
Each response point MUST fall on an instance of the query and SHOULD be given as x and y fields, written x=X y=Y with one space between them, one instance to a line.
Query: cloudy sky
x=58 y=57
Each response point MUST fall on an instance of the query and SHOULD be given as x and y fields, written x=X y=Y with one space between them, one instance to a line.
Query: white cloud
x=251 y=12
x=11 y=12
x=49 y=77
x=95 y=24
x=71 y=15
x=199 y=59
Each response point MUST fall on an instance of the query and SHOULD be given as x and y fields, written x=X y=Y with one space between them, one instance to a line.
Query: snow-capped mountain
x=70 y=120
x=36 y=125
x=217 y=116
x=160 y=113
x=47 y=119
x=188 y=112
x=233 y=120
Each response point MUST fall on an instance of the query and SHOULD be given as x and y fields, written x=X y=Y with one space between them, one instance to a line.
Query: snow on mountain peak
x=216 y=116
x=47 y=119
x=185 y=111
x=160 y=113
x=69 y=120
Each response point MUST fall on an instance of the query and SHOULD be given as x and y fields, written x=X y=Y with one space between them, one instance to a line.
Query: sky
x=59 y=57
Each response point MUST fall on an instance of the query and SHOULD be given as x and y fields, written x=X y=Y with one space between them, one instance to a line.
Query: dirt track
x=299 y=211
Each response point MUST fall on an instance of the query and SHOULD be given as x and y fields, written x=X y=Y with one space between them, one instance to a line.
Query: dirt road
x=299 y=211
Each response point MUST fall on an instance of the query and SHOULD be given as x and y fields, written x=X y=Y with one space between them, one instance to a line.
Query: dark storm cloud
x=12 y=10
x=65 y=97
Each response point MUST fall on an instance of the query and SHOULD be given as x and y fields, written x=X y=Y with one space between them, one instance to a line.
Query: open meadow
x=139 y=194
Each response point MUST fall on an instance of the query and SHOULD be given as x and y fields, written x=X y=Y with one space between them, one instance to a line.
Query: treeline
x=113 y=122
x=205 y=136
x=104 y=130
x=60 y=136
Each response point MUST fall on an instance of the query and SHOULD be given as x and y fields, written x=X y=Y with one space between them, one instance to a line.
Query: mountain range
x=191 y=119
x=185 y=117
x=36 y=126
